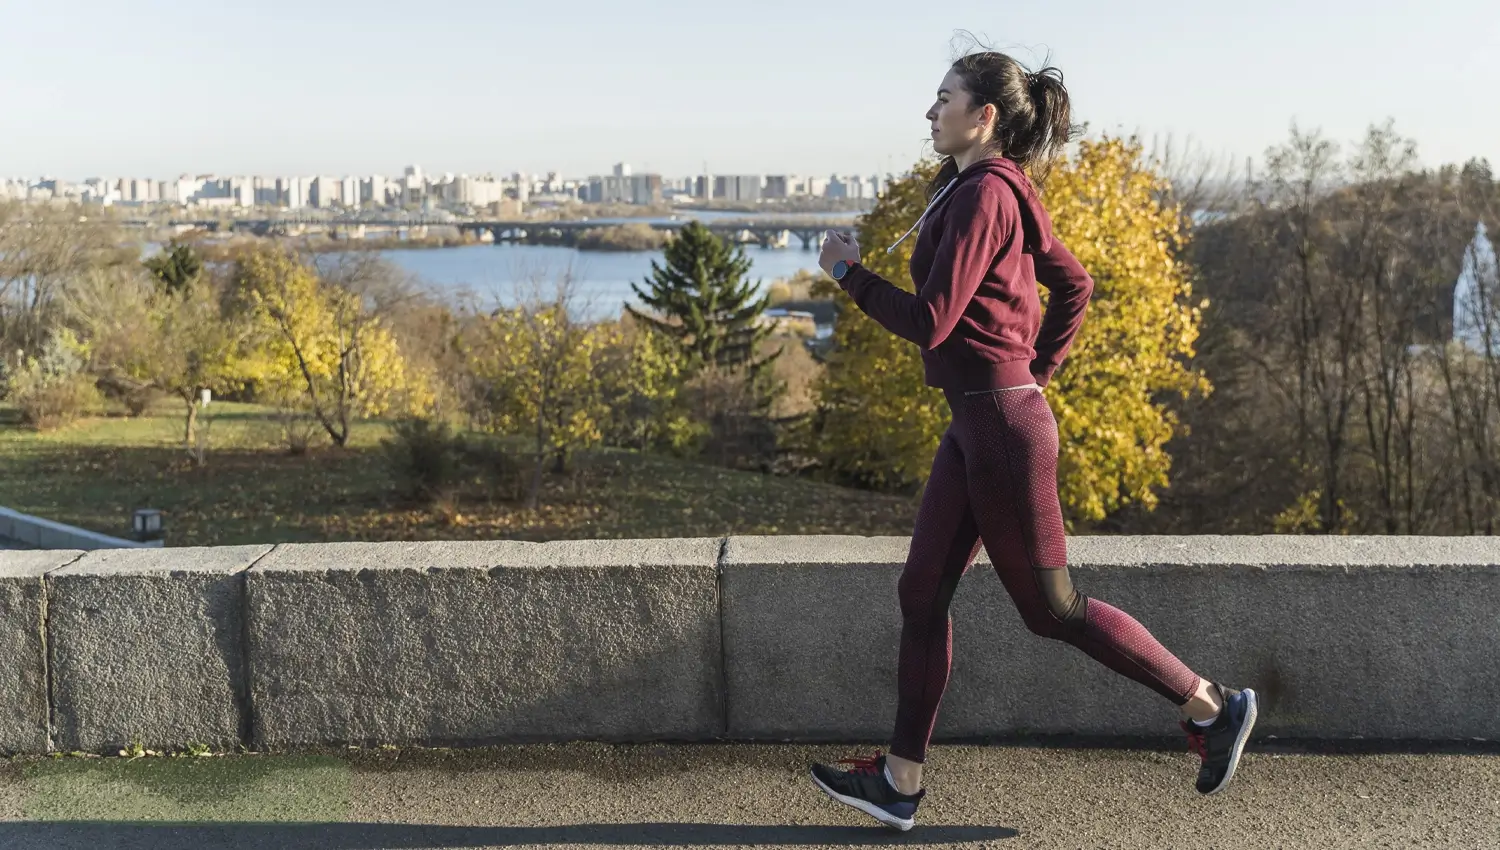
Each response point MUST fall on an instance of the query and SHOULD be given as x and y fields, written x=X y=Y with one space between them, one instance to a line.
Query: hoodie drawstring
x=923 y=217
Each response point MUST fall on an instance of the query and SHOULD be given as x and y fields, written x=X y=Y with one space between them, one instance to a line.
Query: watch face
x=840 y=269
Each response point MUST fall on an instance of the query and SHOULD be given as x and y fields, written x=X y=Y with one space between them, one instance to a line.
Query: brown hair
x=1033 y=115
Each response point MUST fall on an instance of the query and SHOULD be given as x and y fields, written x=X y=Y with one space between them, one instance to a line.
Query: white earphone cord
x=923 y=217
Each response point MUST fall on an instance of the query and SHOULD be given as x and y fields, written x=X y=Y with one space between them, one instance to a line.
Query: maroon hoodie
x=984 y=244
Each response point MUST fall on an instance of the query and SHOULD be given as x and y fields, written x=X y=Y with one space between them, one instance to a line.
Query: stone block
x=147 y=646
x=1388 y=638
x=432 y=643
x=23 y=678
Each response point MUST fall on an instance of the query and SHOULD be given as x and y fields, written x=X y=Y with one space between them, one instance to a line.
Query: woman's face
x=956 y=125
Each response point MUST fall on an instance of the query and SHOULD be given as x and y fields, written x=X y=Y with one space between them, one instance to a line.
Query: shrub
x=55 y=402
x=425 y=459
x=53 y=390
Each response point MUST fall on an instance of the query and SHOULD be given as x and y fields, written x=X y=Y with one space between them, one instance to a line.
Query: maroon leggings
x=995 y=480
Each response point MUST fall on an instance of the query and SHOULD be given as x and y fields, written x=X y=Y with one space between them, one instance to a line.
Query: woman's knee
x=1062 y=611
x=922 y=599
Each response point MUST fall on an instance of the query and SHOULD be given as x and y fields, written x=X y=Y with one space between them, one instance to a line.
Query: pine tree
x=175 y=268
x=705 y=302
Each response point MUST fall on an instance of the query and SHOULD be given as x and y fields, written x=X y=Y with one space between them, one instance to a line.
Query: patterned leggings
x=995 y=480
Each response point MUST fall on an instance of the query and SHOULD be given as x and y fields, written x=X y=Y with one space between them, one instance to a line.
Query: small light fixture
x=147 y=525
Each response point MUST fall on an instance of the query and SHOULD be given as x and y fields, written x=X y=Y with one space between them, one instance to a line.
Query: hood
x=1036 y=225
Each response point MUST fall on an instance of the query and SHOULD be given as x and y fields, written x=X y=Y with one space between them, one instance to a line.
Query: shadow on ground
x=96 y=835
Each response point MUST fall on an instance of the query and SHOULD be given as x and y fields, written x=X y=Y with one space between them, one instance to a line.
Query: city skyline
x=281 y=87
x=397 y=172
x=418 y=189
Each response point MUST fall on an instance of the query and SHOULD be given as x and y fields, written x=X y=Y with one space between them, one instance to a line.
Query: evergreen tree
x=175 y=268
x=704 y=301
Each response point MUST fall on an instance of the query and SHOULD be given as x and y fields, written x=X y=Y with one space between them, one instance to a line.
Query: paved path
x=598 y=796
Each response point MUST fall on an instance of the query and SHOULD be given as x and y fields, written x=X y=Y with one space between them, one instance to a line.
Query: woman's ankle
x=904 y=774
x=1204 y=705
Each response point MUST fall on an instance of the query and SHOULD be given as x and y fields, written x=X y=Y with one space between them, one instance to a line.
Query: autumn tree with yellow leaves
x=322 y=342
x=880 y=425
x=538 y=371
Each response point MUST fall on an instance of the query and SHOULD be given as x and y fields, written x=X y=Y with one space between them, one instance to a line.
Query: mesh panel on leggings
x=995 y=476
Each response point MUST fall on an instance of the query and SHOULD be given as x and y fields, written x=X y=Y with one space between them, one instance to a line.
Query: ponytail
x=1034 y=122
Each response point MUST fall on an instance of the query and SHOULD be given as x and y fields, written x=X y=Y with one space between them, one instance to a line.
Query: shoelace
x=1198 y=743
x=863 y=765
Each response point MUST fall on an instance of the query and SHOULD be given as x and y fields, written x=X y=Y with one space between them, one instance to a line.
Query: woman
x=981 y=246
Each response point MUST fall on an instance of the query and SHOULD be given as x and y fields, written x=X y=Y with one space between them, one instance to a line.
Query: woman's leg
x=1012 y=475
x=943 y=545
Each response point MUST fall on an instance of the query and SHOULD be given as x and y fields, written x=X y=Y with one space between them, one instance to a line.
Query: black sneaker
x=1221 y=744
x=865 y=788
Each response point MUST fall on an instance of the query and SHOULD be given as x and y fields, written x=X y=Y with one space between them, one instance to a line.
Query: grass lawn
x=95 y=473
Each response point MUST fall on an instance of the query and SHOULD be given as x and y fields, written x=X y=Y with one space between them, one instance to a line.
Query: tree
x=45 y=248
x=324 y=340
x=1134 y=350
x=642 y=385
x=704 y=300
x=145 y=336
x=880 y=425
x=534 y=367
x=877 y=424
x=176 y=267
x=1338 y=404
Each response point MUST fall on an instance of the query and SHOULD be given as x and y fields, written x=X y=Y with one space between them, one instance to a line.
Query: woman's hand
x=838 y=246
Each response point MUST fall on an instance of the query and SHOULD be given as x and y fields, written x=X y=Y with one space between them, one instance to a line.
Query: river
x=498 y=274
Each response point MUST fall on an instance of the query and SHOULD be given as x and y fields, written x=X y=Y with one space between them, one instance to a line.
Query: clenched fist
x=838 y=246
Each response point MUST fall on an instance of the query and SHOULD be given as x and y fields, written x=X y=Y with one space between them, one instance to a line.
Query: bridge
x=768 y=232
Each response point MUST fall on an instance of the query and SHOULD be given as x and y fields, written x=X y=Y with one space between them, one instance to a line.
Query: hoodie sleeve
x=1070 y=288
x=974 y=233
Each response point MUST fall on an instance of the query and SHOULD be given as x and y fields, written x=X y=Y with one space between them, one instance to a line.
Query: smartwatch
x=840 y=269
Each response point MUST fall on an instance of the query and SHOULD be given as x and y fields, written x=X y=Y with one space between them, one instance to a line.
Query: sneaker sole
x=1239 y=741
x=874 y=811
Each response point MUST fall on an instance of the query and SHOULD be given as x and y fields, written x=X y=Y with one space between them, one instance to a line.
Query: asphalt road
x=598 y=796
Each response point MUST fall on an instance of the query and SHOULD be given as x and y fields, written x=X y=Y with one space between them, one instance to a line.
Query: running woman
x=982 y=245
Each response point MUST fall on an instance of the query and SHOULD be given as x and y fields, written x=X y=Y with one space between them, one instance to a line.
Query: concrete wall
x=23 y=675
x=41 y=533
x=467 y=642
x=746 y=638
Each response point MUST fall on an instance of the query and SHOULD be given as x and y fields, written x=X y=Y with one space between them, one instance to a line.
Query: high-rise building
x=738 y=187
x=349 y=192
x=265 y=192
x=292 y=191
x=323 y=192
x=242 y=189
x=413 y=186
x=779 y=187
x=645 y=189
x=373 y=190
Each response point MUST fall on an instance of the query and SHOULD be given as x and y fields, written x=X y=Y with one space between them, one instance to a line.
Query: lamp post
x=147 y=525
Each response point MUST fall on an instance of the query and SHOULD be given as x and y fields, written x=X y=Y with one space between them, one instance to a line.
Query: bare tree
x=1203 y=183
x=1470 y=372
x=42 y=248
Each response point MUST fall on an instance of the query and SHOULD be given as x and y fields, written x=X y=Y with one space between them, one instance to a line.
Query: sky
x=164 y=87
